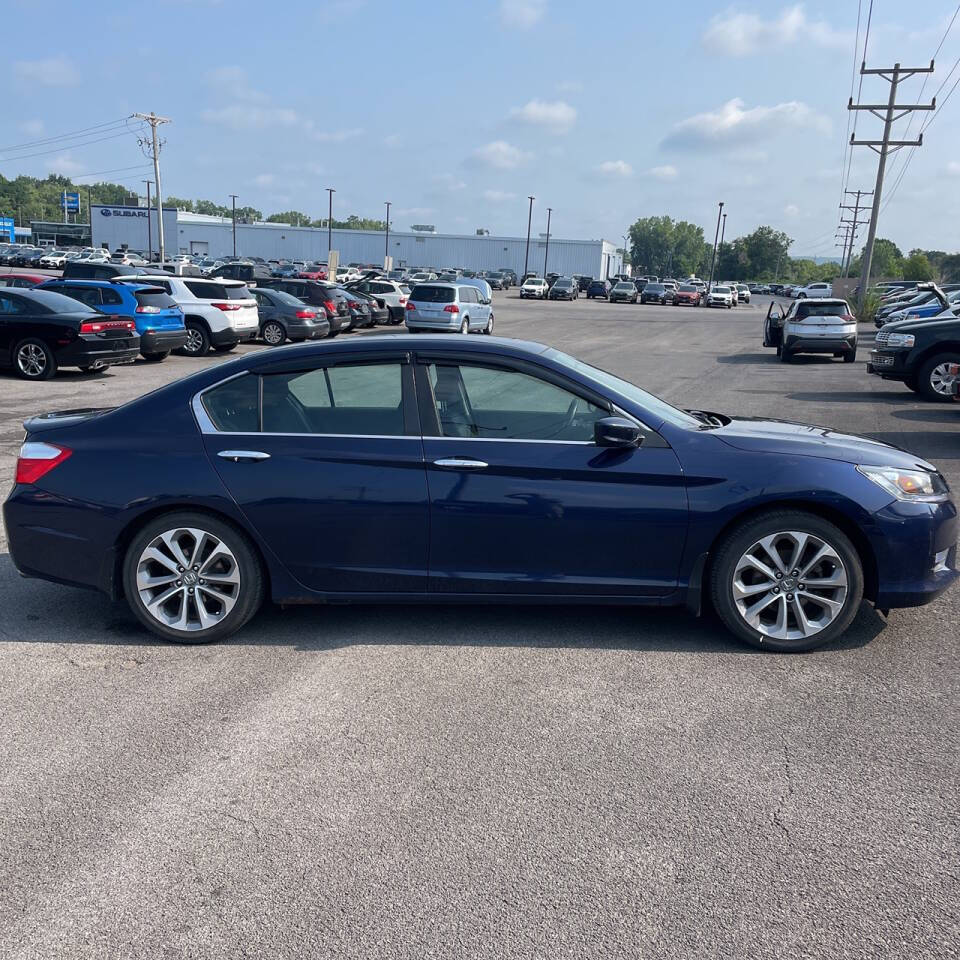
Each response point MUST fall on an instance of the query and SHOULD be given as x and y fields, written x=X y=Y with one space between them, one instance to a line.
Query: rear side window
x=111 y=298
x=234 y=406
x=237 y=293
x=427 y=294
x=203 y=290
x=149 y=298
x=822 y=310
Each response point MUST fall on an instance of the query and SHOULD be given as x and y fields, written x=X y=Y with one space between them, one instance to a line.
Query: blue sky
x=456 y=111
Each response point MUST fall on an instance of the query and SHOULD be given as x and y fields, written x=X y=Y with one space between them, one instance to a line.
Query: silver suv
x=453 y=307
x=387 y=291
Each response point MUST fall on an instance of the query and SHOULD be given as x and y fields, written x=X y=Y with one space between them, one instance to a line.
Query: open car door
x=773 y=325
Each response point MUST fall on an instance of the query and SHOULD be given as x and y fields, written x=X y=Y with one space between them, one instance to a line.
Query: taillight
x=148 y=309
x=226 y=306
x=305 y=315
x=331 y=305
x=410 y=306
x=847 y=318
x=451 y=308
x=403 y=300
x=98 y=326
x=37 y=459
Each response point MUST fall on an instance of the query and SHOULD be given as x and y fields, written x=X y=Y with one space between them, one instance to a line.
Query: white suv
x=388 y=291
x=217 y=313
x=534 y=287
x=720 y=295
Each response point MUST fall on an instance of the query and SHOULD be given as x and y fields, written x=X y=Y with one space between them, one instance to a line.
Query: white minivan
x=823 y=326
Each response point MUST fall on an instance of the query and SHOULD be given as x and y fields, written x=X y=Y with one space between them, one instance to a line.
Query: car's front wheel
x=934 y=379
x=198 y=341
x=192 y=578
x=787 y=581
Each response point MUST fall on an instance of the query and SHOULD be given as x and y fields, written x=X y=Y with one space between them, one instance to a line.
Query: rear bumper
x=159 y=341
x=832 y=344
x=443 y=326
x=230 y=336
x=92 y=351
x=308 y=329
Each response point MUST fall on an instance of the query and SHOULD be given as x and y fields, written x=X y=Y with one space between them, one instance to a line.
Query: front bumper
x=889 y=364
x=160 y=341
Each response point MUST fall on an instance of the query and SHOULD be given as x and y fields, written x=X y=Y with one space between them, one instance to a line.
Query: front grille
x=883 y=338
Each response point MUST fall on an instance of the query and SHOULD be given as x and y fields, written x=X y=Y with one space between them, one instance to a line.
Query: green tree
x=917 y=266
x=950 y=268
x=294 y=217
x=666 y=247
x=179 y=203
x=887 y=261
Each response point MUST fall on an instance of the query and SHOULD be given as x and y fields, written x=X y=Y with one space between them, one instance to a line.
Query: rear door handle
x=460 y=463
x=244 y=456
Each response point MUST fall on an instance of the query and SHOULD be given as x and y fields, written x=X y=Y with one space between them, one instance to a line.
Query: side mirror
x=616 y=432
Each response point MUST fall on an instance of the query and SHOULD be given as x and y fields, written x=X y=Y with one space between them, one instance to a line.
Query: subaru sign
x=123 y=212
x=70 y=202
x=6 y=229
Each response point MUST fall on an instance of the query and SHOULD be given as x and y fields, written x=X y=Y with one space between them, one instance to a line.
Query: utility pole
x=386 y=240
x=547 y=249
x=723 y=233
x=153 y=150
x=233 y=198
x=149 y=226
x=526 y=257
x=623 y=259
x=889 y=113
x=716 y=235
x=330 y=192
x=853 y=223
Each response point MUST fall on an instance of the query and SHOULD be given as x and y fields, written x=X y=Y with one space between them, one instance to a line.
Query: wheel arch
x=826 y=512
x=136 y=524
x=198 y=318
x=941 y=346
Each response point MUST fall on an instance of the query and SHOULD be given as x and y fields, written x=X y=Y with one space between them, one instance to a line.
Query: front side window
x=488 y=403
x=10 y=305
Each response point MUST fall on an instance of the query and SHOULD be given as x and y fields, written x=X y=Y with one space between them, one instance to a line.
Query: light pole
x=713 y=259
x=149 y=226
x=233 y=197
x=526 y=258
x=723 y=231
x=386 y=239
x=547 y=248
x=623 y=262
x=331 y=192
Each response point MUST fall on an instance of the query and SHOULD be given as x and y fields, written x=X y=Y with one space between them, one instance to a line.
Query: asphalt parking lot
x=489 y=781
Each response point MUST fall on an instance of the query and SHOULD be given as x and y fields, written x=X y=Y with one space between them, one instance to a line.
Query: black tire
x=912 y=384
x=36 y=362
x=273 y=333
x=924 y=385
x=785 y=355
x=252 y=585
x=488 y=329
x=850 y=356
x=737 y=542
x=779 y=350
x=198 y=344
x=225 y=348
x=156 y=357
x=465 y=326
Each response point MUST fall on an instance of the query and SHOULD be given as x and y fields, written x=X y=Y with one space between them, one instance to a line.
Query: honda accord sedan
x=428 y=468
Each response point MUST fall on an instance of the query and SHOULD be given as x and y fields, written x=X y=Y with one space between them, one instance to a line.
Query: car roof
x=114 y=283
x=818 y=300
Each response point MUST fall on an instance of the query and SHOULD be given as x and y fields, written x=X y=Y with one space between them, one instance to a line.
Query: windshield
x=656 y=406
x=687 y=288
x=625 y=286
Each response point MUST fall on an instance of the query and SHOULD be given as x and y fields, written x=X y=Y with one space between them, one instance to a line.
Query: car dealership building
x=133 y=227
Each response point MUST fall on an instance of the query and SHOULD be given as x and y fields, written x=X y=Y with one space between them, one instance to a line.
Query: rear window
x=822 y=310
x=237 y=293
x=150 y=298
x=426 y=294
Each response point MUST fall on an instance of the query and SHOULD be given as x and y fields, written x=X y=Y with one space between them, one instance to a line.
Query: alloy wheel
x=790 y=585
x=194 y=342
x=941 y=380
x=188 y=579
x=31 y=360
x=273 y=334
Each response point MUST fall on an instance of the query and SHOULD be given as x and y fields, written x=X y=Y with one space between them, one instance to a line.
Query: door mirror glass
x=616 y=432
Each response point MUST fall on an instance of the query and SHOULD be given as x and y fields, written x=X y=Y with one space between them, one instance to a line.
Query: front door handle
x=244 y=456
x=460 y=463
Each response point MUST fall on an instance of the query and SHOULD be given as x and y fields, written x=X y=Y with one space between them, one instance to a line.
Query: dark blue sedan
x=425 y=469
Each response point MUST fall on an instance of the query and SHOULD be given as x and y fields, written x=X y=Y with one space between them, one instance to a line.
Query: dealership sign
x=123 y=212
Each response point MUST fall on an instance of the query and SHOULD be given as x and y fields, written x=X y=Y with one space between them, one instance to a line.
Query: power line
x=97 y=173
x=863 y=62
x=64 y=136
x=853 y=77
x=72 y=146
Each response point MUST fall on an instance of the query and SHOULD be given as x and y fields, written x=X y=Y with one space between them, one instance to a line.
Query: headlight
x=901 y=340
x=913 y=485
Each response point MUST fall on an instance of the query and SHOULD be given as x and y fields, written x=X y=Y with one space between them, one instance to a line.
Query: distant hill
x=817 y=260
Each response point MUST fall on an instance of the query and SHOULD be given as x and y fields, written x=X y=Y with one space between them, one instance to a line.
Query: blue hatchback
x=431 y=468
x=158 y=318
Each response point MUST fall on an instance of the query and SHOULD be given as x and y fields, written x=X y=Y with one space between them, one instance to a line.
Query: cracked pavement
x=488 y=781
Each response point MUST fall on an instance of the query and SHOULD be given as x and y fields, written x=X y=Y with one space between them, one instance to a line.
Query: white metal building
x=116 y=226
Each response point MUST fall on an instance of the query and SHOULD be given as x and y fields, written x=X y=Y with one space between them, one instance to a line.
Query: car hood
x=921 y=323
x=806 y=440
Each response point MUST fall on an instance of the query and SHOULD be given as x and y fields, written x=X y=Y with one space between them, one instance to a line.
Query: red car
x=22 y=279
x=314 y=271
x=686 y=293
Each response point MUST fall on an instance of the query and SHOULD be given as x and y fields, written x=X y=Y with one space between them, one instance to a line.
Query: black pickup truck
x=919 y=353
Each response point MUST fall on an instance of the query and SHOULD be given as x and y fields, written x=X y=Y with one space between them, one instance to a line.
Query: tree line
x=667 y=247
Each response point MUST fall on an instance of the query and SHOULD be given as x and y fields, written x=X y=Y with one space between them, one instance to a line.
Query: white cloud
x=953 y=168
x=791 y=210
x=500 y=155
x=232 y=82
x=64 y=163
x=740 y=34
x=556 y=116
x=615 y=168
x=498 y=196
x=393 y=140
x=732 y=125
x=51 y=72
x=264 y=180
x=522 y=13
x=239 y=117
x=337 y=136
x=447 y=181
x=666 y=172
x=32 y=128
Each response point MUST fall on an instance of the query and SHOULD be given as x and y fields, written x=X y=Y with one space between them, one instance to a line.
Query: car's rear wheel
x=465 y=326
x=192 y=578
x=198 y=340
x=273 y=333
x=488 y=329
x=34 y=360
x=225 y=347
x=787 y=581
x=934 y=378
